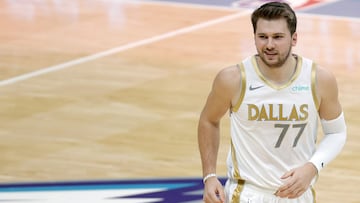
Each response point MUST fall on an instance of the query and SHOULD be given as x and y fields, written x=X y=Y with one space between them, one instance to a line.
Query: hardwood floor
x=113 y=90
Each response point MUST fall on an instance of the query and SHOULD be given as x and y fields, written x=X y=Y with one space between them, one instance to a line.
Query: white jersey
x=273 y=129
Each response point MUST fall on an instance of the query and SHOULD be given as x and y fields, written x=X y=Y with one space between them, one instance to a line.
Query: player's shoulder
x=228 y=74
x=228 y=78
x=326 y=83
x=229 y=71
x=324 y=75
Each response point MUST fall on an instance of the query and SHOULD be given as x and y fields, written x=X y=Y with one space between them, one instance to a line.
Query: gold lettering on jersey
x=304 y=112
x=294 y=116
x=276 y=112
x=281 y=116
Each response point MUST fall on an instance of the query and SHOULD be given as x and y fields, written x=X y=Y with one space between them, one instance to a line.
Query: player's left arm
x=334 y=128
x=332 y=120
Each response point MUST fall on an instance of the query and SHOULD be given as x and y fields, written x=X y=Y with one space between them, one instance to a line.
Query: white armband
x=332 y=142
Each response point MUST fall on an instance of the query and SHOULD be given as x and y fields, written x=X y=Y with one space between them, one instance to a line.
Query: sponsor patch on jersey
x=300 y=88
x=188 y=190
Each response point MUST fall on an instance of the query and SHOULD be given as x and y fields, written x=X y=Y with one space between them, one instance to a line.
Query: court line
x=190 y=5
x=122 y=48
x=299 y=11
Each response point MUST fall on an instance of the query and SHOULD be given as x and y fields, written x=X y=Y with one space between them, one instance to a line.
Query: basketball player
x=275 y=99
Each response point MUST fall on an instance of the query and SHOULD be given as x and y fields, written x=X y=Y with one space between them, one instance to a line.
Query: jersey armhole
x=313 y=86
x=243 y=87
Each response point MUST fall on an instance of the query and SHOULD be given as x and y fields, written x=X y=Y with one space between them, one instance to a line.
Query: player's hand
x=297 y=181
x=213 y=191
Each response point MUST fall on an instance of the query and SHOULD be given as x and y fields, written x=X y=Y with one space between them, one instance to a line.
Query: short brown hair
x=275 y=10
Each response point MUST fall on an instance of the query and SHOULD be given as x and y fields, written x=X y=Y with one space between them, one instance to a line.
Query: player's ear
x=294 y=39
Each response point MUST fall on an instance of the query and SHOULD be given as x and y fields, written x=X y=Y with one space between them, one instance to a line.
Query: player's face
x=273 y=41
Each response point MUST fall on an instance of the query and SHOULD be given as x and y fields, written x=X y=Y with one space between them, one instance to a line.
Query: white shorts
x=238 y=191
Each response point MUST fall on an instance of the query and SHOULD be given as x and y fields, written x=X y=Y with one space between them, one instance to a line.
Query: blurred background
x=94 y=90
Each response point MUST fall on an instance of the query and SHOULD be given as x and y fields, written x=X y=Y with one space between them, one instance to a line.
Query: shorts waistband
x=259 y=189
x=253 y=187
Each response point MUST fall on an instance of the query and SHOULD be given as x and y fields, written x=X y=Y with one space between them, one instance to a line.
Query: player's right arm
x=225 y=86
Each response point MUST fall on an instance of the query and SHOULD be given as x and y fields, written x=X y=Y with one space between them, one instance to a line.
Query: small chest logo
x=251 y=88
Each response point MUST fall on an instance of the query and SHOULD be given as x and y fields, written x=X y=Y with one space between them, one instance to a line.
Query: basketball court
x=99 y=100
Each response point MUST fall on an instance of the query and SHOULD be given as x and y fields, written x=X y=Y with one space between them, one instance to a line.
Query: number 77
x=285 y=128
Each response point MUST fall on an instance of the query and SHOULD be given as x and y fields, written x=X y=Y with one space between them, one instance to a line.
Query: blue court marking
x=185 y=190
x=99 y=185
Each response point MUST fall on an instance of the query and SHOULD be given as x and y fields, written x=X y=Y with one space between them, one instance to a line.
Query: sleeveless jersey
x=273 y=129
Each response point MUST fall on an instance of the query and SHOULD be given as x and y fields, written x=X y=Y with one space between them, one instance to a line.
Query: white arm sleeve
x=332 y=142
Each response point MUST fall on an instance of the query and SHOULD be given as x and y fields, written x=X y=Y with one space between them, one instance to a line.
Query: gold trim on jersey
x=313 y=86
x=236 y=195
x=236 y=173
x=269 y=83
x=243 y=88
x=314 y=194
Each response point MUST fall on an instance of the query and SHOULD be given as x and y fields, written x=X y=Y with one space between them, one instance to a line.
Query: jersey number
x=285 y=128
